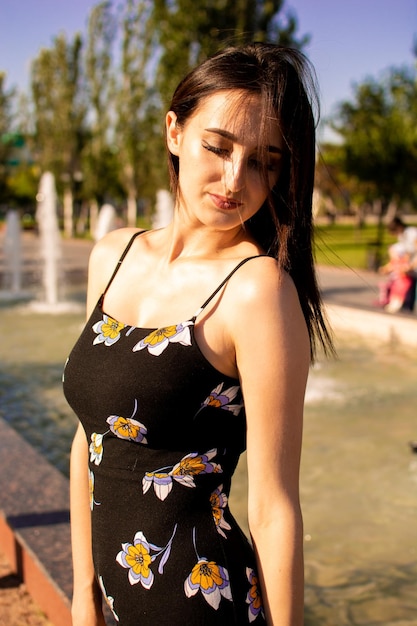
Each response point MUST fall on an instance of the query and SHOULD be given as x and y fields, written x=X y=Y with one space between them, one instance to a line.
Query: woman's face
x=221 y=182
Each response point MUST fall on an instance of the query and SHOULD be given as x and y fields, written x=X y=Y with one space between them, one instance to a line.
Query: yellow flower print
x=253 y=597
x=220 y=399
x=127 y=428
x=109 y=599
x=218 y=501
x=160 y=334
x=189 y=465
x=183 y=472
x=137 y=558
x=211 y=579
x=162 y=483
x=96 y=448
x=193 y=464
x=91 y=489
x=108 y=331
x=158 y=340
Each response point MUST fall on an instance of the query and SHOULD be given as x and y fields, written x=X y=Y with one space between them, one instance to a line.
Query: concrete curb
x=373 y=325
x=34 y=525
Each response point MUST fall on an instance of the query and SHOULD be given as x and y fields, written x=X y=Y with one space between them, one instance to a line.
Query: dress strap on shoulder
x=120 y=261
x=222 y=284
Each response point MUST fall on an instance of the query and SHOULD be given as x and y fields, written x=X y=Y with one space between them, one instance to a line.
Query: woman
x=167 y=405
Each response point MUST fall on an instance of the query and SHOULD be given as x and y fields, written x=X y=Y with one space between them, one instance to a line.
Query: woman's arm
x=86 y=603
x=273 y=358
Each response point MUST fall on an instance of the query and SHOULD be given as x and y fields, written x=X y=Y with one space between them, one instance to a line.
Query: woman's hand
x=86 y=609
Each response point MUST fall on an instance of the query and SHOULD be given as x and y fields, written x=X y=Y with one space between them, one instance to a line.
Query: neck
x=200 y=241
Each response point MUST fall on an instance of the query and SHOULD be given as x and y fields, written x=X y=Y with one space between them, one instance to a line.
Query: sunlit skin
x=220 y=180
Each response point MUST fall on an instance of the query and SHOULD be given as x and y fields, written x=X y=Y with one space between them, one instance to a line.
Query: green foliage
x=346 y=245
x=6 y=137
x=5 y=112
x=98 y=158
x=96 y=112
x=340 y=189
x=133 y=101
x=58 y=110
x=23 y=183
x=379 y=131
x=189 y=31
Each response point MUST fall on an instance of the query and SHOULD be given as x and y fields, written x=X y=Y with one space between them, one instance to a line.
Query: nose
x=234 y=174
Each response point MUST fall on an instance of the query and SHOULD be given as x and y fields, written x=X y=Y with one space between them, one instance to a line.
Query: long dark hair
x=283 y=226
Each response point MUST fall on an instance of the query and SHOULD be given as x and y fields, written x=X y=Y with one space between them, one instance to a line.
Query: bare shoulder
x=261 y=283
x=113 y=244
x=107 y=252
x=103 y=261
x=263 y=302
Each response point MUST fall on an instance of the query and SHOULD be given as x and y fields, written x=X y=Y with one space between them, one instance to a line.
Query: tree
x=98 y=163
x=191 y=30
x=6 y=136
x=98 y=126
x=59 y=115
x=133 y=97
x=379 y=132
x=338 y=190
x=185 y=32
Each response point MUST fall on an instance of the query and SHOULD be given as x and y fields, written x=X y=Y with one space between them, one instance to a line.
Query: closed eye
x=253 y=163
x=256 y=164
x=222 y=152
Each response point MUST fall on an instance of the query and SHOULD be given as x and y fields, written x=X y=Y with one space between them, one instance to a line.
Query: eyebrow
x=228 y=135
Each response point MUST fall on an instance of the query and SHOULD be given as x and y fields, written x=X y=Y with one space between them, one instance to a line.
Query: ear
x=173 y=133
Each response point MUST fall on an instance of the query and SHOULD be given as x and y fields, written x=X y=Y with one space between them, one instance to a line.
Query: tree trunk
x=391 y=211
x=382 y=209
x=93 y=217
x=131 y=208
x=81 y=223
x=129 y=176
x=68 y=211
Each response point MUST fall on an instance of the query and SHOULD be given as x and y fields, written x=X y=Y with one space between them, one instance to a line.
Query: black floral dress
x=165 y=432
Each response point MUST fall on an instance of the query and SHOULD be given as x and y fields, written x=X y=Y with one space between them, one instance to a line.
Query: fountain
x=163 y=210
x=49 y=237
x=106 y=221
x=12 y=274
x=49 y=248
x=13 y=252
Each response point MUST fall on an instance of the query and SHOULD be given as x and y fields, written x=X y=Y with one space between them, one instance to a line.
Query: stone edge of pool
x=377 y=326
x=34 y=524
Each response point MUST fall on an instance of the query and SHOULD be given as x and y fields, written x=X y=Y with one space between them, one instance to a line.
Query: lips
x=225 y=203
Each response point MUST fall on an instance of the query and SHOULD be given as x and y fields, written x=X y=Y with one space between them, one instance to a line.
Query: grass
x=342 y=245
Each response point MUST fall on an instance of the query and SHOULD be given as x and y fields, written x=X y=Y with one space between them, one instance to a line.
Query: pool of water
x=33 y=350
x=359 y=488
x=358 y=480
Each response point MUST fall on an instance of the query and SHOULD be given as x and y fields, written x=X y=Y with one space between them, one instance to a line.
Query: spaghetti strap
x=222 y=284
x=120 y=261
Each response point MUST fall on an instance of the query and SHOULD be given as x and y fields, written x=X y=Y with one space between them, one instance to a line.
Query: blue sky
x=350 y=40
